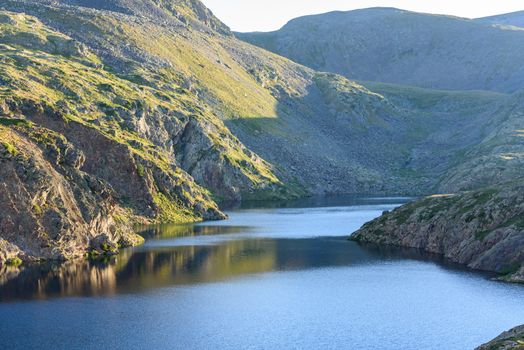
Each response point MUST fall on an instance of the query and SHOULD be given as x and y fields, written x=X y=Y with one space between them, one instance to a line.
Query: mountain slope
x=402 y=47
x=497 y=158
x=508 y=19
x=168 y=113
x=125 y=134
x=295 y=118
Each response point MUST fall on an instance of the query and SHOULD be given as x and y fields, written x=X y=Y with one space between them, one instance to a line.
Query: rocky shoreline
x=482 y=229
x=512 y=339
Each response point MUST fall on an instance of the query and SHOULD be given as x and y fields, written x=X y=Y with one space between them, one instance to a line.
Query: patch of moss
x=10 y=149
x=173 y=212
x=37 y=209
x=14 y=262
x=108 y=248
x=141 y=171
x=510 y=269
x=13 y=122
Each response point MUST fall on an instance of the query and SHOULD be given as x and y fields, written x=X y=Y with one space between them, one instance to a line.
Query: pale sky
x=266 y=15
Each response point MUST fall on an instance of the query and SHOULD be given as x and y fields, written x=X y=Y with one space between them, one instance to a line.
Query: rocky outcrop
x=50 y=209
x=482 y=229
x=510 y=340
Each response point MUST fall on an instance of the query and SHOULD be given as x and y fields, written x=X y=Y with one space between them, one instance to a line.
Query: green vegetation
x=109 y=249
x=173 y=212
x=14 y=262
x=517 y=221
x=480 y=198
x=427 y=208
x=510 y=269
x=141 y=171
x=10 y=148
x=482 y=234
x=13 y=122
x=38 y=209
x=402 y=215
x=51 y=74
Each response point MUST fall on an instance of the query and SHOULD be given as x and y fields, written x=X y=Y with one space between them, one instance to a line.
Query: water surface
x=274 y=277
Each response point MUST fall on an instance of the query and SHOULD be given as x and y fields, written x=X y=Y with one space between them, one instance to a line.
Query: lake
x=278 y=276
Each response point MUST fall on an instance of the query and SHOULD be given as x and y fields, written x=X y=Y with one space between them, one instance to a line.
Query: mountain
x=99 y=130
x=124 y=111
x=515 y=19
x=402 y=47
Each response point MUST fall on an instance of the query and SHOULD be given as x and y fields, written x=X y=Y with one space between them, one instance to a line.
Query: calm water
x=281 y=277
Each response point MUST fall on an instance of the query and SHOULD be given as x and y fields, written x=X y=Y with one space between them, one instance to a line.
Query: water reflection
x=136 y=271
x=251 y=242
x=286 y=278
x=164 y=231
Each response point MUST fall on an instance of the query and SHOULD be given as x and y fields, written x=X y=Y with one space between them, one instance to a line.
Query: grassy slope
x=386 y=137
x=69 y=83
x=36 y=69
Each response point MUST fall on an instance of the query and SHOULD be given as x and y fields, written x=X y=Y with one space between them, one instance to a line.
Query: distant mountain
x=402 y=47
x=511 y=19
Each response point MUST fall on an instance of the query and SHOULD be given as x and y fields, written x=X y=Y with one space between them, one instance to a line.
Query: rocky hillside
x=510 y=340
x=455 y=144
x=88 y=148
x=483 y=229
x=170 y=113
x=497 y=158
x=402 y=47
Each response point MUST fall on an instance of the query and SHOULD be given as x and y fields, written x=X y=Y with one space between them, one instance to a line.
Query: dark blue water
x=266 y=279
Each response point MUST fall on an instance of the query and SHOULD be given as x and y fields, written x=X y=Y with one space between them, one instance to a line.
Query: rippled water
x=280 y=277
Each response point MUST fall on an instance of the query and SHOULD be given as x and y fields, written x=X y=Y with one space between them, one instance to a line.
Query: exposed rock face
x=173 y=12
x=510 y=340
x=483 y=229
x=50 y=208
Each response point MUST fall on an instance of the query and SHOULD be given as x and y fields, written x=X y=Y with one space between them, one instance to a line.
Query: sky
x=267 y=15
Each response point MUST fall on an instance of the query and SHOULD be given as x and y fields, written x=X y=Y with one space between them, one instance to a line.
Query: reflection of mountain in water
x=138 y=270
x=176 y=230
